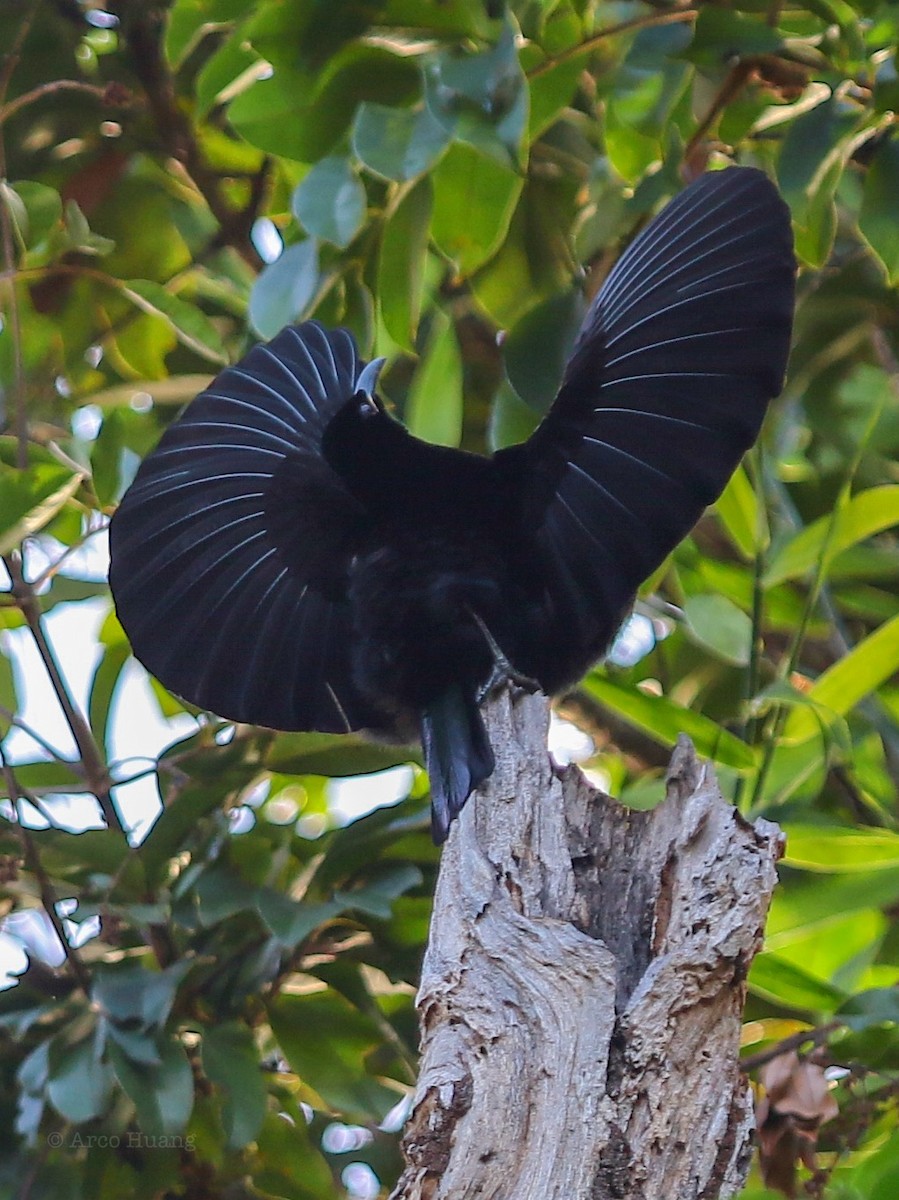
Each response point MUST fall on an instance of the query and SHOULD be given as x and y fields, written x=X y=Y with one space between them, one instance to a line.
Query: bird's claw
x=502 y=672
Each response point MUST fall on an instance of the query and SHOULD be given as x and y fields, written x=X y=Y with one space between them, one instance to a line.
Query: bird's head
x=361 y=436
x=366 y=397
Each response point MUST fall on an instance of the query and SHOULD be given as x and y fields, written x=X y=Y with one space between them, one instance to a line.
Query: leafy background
x=230 y=1011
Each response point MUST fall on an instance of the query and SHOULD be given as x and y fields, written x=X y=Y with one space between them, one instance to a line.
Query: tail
x=458 y=755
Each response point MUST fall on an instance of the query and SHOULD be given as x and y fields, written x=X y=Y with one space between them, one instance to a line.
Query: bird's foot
x=502 y=672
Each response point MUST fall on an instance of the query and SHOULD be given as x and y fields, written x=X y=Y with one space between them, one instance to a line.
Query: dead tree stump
x=583 y=986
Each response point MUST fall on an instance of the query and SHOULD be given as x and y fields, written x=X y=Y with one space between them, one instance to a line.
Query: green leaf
x=474 y=198
x=849 y=680
x=481 y=97
x=328 y=1042
x=302 y=113
x=511 y=420
x=220 y=892
x=877 y=1006
x=665 y=721
x=551 y=91
x=138 y=1045
x=232 y=69
x=397 y=143
x=777 y=979
x=7 y=693
x=17 y=212
x=191 y=326
x=292 y=1164
x=103 y=686
x=333 y=754
x=868 y=513
x=42 y=209
x=435 y=396
x=798 y=773
x=177 y=821
x=285 y=290
x=828 y=850
x=376 y=897
x=818 y=901
x=630 y=152
x=291 y=923
x=71 y=856
x=188 y=20
x=716 y=623
x=532 y=262
x=177 y=389
x=136 y=996
x=537 y=348
x=450 y=18
x=401 y=263
x=650 y=80
x=163 y=1095
x=80 y=1082
x=330 y=203
x=808 y=171
x=742 y=515
x=77 y=234
x=31 y=498
x=877 y=219
x=720 y=35
x=106 y=458
x=231 y=1061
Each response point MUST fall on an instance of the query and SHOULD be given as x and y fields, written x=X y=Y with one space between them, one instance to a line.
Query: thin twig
x=49 y=898
x=143 y=32
x=52 y=570
x=48 y=89
x=15 y=327
x=772 y=739
x=815 y=1036
x=96 y=775
x=602 y=35
x=10 y=63
x=733 y=84
x=11 y=60
x=8 y=715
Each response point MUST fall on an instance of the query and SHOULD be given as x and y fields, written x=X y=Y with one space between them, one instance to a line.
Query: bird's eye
x=366 y=407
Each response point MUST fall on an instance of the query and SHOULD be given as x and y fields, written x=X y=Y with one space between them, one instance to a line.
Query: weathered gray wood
x=583 y=986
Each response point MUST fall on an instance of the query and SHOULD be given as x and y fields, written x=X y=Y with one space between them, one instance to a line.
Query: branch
x=96 y=775
x=815 y=1036
x=7 y=246
x=733 y=84
x=14 y=719
x=11 y=59
x=48 y=89
x=583 y=986
x=143 y=25
x=49 y=898
x=665 y=18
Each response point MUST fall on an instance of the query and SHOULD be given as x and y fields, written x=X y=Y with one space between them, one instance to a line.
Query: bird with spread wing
x=291 y=556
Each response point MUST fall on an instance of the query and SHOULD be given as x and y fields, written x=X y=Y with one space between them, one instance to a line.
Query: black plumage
x=291 y=556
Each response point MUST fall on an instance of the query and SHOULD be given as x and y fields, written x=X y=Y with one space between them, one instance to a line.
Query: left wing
x=229 y=552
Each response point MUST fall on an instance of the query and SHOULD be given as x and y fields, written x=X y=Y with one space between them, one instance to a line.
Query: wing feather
x=229 y=552
x=665 y=390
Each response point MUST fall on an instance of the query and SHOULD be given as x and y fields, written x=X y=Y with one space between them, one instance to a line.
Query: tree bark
x=583 y=986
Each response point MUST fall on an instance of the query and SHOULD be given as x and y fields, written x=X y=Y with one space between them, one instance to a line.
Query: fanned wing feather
x=230 y=550
x=666 y=389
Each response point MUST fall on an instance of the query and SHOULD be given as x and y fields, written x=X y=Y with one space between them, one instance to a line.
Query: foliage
x=177 y=178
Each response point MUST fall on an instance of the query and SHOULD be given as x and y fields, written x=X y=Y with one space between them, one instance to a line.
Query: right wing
x=666 y=388
x=229 y=551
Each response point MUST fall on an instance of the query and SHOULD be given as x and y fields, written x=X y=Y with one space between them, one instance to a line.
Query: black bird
x=291 y=556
